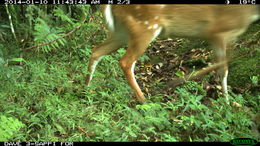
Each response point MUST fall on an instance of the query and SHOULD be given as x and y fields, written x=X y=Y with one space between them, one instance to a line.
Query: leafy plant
x=254 y=80
x=44 y=34
x=8 y=127
x=45 y=95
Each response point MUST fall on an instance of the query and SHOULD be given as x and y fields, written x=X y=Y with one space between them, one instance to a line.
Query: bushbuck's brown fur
x=139 y=25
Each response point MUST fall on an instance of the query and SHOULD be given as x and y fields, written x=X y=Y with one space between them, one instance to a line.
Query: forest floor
x=167 y=60
x=44 y=98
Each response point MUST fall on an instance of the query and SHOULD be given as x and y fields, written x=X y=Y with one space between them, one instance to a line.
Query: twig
x=69 y=33
x=99 y=23
x=83 y=131
x=11 y=22
x=91 y=38
x=43 y=44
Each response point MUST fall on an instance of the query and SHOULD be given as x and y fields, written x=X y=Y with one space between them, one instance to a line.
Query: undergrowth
x=43 y=96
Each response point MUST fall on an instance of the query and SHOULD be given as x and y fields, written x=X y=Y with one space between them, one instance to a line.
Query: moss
x=246 y=62
x=242 y=69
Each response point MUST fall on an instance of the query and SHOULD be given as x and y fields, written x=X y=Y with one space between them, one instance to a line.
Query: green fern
x=45 y=34
x=59 y=13
x=8 y=127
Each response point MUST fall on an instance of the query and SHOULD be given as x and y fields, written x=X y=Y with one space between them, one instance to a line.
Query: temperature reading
x=247 y=2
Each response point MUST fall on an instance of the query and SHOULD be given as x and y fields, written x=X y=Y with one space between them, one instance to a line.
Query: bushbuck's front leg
x=98 y=52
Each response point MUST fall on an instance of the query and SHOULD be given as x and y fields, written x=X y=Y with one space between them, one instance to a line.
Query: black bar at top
x=96 y=2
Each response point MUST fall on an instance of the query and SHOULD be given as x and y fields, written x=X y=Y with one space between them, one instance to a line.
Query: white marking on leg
x=133 y=74
x=224 y=82
x=93 y=67
x=224 y=85
x=133 y=67
x=135 y=85
x=109 y=17
x=156 y=33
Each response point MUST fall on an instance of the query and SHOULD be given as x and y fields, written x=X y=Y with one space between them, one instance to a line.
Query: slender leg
x=221 y=65
x=98 y=52
x=178 y=81
x=127 y=64
x=136 y=47
x=223 y=71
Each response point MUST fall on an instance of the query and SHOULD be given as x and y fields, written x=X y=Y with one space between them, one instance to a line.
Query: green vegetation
x=43 y=96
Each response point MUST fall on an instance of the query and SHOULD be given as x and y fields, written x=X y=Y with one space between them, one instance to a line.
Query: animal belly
x=185 y=30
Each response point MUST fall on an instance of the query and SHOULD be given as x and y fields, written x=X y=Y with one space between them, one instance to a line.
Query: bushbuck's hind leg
x=220 y=52
x=136 y=47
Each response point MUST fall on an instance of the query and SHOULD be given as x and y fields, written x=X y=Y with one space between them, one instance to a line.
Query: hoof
x=141 y=100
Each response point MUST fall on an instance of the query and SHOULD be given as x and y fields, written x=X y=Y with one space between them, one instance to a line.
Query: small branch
x=83 y=131
x=43 y=44
x=193 y=76
x=11 y=22
x=69 y=33
x=91 y=38
x=99 y=23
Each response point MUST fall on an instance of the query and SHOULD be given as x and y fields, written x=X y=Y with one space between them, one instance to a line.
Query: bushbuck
x=138 y=25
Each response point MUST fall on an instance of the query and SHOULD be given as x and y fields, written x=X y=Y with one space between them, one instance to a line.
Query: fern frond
x=44 y=34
